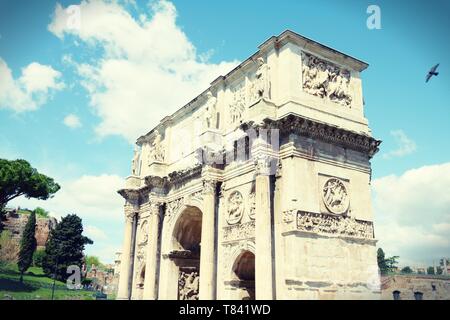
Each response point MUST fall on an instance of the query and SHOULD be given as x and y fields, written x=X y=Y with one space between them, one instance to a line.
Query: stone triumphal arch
x=259 y=188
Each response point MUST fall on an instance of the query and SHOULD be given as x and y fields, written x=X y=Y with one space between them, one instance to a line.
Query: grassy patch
x=36 y=285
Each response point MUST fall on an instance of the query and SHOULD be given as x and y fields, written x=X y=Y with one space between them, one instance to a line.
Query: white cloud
x=405 y=145
x=90 y=197
x=412 y=214
x=72 y=121
x=95 y=233
x=147 y=68
x=31 y=89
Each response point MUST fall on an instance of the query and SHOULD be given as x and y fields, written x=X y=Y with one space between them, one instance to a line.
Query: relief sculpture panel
x=326 y=80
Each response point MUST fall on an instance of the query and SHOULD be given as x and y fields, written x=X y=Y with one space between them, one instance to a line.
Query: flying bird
x=432 y=72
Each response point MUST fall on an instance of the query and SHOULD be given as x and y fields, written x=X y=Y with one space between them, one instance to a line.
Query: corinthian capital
x=129 y=216
x=155 y=208
x=265 y=165
x=209 y=186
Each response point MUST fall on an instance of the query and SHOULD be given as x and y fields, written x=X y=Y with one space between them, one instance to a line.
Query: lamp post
x=54 y=277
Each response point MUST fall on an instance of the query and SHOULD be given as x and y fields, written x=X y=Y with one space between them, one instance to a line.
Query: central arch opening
x=244 y=275
x=188 y=231
x=186 y=252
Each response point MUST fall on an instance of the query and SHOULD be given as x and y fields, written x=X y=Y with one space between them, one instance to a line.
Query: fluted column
x=151 y=268
x=207 y=253
x=124 y=289
x=263 y=230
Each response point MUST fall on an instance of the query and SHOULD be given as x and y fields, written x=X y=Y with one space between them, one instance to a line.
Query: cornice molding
x=181 y=176
x=319 y=130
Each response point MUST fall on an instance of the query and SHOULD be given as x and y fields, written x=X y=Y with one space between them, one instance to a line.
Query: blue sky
x=74 y=117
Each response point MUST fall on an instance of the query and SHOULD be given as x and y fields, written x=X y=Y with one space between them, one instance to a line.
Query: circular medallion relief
x=335 y=196
x=235 y=207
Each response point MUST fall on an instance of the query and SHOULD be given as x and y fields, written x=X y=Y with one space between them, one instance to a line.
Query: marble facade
x=259 y=188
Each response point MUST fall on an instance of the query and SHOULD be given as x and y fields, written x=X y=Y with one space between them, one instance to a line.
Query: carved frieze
x=235 y=206
x=326 y=80
x=335 y=196
x=188 y=285
x=239 y=231
x=329 y=224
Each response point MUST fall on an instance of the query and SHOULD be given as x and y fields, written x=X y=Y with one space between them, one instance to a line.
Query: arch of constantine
x=258 y=188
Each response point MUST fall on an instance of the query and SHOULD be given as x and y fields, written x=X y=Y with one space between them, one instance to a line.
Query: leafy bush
x=38 y=257
x=406 y=270
x=41 y=212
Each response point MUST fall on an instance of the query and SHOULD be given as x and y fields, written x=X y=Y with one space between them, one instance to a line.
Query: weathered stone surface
x=431 y=287
x=265 y=177
x=15 y=223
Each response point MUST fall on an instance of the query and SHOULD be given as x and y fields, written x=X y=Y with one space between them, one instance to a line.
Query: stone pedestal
x=157 y=168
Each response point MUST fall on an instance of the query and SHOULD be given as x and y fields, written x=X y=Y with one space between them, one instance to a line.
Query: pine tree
x=65 y=247
x=27 y=245
x=381 y=261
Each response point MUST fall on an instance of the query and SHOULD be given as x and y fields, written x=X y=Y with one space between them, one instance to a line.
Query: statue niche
x=157 y=149
x=261 y=84
x=210 y=115
x=136 y=162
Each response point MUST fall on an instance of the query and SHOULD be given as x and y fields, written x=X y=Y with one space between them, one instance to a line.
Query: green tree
x=391 y=263
x=386 y=264
x=407 y=270
x=430 y=270
x=27 y=245
x=93 y=260
x=447 y=262
x=65 y=247
x=382 y=261
x=41 y=212
x=439 y=270
x=18 y=178
x=38 y=257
